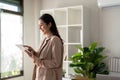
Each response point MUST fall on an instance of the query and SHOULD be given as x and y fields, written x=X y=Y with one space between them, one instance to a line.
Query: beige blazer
x=50 y=57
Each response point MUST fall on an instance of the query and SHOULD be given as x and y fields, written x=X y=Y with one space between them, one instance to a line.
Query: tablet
x=22 y=48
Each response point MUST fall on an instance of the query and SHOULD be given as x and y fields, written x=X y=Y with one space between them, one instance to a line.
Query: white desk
x=111 y=76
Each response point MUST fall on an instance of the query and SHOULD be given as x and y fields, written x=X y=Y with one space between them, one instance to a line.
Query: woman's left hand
x=31 y=52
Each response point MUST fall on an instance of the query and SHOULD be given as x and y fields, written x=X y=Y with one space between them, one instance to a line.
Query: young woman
x=48 y=59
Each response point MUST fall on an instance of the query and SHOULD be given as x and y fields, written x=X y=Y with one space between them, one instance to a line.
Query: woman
x=48 y=59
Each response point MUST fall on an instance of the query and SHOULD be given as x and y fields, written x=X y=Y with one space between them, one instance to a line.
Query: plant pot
x=78 y=77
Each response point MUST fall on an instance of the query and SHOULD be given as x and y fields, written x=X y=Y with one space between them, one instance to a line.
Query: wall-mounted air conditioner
x=107 y=3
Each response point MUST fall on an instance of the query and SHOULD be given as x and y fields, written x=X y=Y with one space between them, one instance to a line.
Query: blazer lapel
x=43 y=45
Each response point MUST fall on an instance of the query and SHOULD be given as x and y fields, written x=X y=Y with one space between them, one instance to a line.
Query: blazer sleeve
x=57 y=55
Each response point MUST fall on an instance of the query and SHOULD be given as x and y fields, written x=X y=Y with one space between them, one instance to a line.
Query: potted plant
x=89 y=61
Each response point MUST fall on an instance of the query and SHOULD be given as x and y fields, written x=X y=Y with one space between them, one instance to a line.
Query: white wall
x=90 y=4
x=31 y=14
x=110 y=30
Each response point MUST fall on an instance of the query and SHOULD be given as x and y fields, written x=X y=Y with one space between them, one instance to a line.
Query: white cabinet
x=73 y=26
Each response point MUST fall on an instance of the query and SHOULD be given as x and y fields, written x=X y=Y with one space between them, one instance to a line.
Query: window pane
x=12 y=5
x=11 y=34
x=8 y=7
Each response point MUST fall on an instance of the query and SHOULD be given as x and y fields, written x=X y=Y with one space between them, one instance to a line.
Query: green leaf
x=101 y=69
x=86 y=50
x=75 y=57
x=90 y=66
x=97 y=61
x=93 y=46
x=76 y=64
x=79 y=47
x=78 y=70
x=99 y=50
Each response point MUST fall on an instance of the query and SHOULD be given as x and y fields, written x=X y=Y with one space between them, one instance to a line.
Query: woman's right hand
x=30 y=51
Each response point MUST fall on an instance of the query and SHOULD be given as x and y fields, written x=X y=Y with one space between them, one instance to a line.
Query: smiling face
x=45 y=28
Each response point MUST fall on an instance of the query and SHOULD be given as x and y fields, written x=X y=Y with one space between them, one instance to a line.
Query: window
x=11 y=34
x=8 y=7
x=12 y=5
